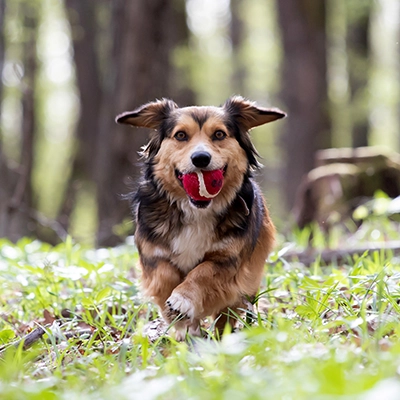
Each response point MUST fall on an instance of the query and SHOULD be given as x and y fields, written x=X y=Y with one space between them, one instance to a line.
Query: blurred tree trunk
x=358 y=50
x=2 y=49
x=18 y=217
x=3 y=167
x=237 y=35
x=85 y=30
x=23 y=194
x=137 y=68
x=304 y=91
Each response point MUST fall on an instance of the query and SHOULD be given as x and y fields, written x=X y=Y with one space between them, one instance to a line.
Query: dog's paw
x=179 y=306
x=183 y=329
x=180 y=334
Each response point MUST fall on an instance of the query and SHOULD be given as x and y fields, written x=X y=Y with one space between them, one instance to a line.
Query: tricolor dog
x=203 y=230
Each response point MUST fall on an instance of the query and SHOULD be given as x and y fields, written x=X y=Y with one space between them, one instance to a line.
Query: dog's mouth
x=202 y=186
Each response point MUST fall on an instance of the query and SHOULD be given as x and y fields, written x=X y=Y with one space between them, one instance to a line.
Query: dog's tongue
x=203 y=185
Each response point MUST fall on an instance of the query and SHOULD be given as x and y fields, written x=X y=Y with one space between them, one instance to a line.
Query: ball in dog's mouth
x=202 y=186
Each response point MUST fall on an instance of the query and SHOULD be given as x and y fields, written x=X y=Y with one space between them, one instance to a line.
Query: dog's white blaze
x=194 y=240
x=202 y=187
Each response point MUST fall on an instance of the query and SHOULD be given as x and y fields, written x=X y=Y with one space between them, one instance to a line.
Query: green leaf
x=6 y=335
x=103 y=294
x=360 y=213
x=305 y=311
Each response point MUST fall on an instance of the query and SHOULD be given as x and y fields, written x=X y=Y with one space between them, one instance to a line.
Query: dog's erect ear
x=149 y=115
x=248 y=114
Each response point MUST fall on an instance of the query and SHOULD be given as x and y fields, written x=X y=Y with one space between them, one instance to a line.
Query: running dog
x=203 y=231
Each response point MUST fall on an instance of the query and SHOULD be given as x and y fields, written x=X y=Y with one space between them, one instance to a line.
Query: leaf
x=87 y=302
x=305 y=311
x=103 y=294
x=381 y=205
x=310 y=283
x=6 y=335
x=360 y=213
x=48 y=317
x=379 y=194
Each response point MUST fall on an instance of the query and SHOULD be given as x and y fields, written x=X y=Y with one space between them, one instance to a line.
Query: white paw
x=180 y=306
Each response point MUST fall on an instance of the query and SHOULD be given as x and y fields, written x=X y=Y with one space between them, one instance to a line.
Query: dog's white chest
x=192 y=243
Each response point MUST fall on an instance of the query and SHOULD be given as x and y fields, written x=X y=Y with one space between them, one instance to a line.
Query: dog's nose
x=201 y=159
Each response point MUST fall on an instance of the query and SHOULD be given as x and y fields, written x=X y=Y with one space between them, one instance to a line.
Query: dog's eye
x=219 y=135
x=181 y=136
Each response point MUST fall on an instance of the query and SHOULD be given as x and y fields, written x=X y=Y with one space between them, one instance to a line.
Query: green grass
x=319 y=332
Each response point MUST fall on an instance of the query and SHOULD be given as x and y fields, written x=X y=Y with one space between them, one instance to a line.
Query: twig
x=27 y=341
x=31 y=338
x=310 y=255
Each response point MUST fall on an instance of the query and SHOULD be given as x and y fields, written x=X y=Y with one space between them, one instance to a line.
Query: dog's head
x=200 y=153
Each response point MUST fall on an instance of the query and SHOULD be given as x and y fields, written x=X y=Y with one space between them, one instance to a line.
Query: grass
x=319 y=332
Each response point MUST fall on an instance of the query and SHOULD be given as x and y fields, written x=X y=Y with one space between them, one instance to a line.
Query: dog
x=203 y=230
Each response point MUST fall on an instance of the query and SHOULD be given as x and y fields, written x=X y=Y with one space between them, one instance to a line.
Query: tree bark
x=237 y=34
x=16 y=215
x=82 y=17
x=304 y=87
x=85 y=30
x=358 y=50
x=2 y=49
x=28 y=105
x=3 y=167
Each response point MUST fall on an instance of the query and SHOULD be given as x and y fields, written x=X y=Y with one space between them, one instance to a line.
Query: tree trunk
x=304 y=87
x=358 y=56
x=3 y=167
x=84 y=28
x=236 y=34
x=2 y=49
x=28 y=106
x=17 y=213
x=82 y=17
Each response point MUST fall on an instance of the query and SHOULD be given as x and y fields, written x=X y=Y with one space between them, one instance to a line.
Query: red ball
x=203 y=185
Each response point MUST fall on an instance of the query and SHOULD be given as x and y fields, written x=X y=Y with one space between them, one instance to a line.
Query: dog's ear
x=149 y=115
x=248 y=114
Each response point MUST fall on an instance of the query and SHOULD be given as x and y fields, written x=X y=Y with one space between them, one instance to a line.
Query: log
x=326 y=256
x=343 y=180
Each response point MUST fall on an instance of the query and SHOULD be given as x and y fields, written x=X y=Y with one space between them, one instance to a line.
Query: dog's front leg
x=158 y=282
x=206 y=290
x=159 y=279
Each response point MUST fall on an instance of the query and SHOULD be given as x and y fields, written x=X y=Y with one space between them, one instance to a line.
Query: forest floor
x=319 y=331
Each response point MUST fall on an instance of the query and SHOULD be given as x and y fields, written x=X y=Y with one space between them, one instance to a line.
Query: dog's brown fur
x=200 y=258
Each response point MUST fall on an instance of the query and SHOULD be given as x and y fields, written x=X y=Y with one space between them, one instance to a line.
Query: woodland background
x=69 y=67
